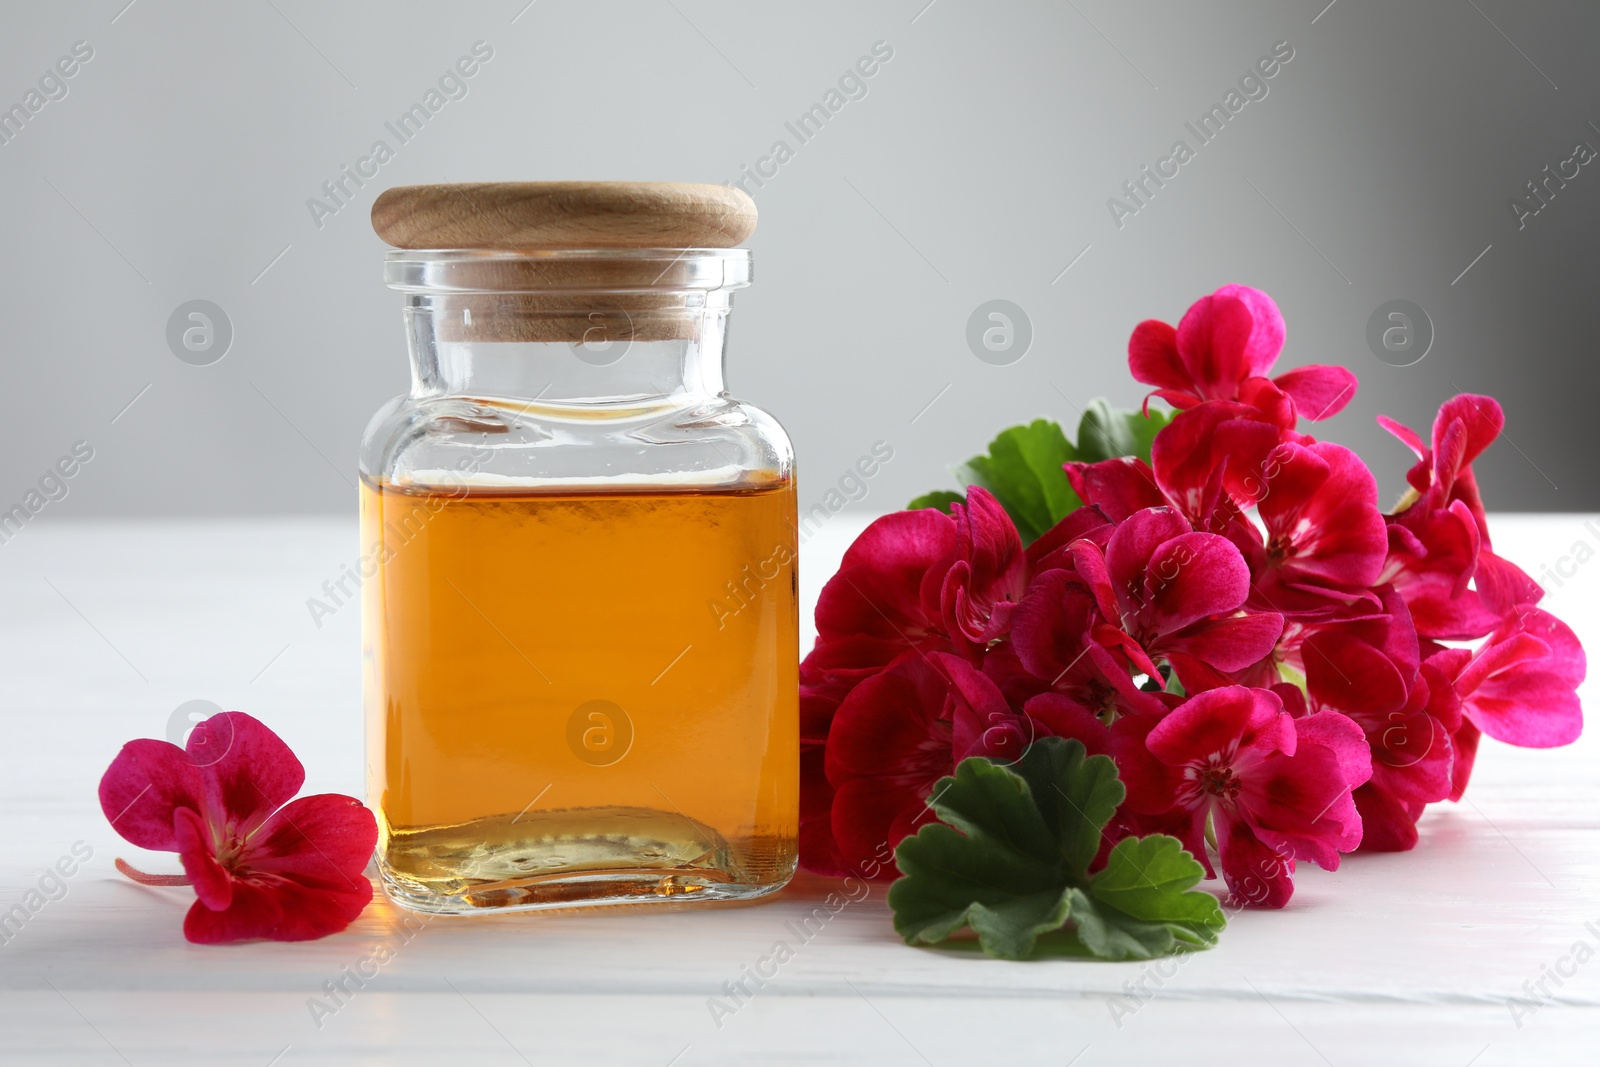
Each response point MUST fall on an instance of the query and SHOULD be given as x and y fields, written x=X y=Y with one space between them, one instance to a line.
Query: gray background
x=977 y=167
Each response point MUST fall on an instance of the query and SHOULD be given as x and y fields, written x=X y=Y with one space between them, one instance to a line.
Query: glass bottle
x=580 y=622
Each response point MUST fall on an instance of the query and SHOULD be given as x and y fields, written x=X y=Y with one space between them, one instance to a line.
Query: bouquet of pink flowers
x=1259 y=664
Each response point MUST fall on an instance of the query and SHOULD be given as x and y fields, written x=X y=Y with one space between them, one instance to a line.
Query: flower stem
x=133 y=873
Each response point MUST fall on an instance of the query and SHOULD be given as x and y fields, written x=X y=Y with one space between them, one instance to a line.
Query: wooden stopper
x=539 y=216
x=566 y=318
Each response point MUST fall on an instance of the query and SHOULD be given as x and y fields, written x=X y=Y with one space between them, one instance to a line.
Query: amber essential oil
x=581 y=697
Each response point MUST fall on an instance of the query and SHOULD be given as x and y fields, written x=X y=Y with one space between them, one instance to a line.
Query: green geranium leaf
x=1075 y=794
x=1023 y=469
x=1152 y=879
x=939 y=498
x=1105 y=432
x=1011 y=858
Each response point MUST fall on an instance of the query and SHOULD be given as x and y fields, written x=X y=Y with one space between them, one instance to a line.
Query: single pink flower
x=988 y=577
x=1223 y=349
x=1520 y=687
x=1166 y=592
x=1212 y=461
x=1052 y=650
x=1325 y=539
x=1435 y=541
x=1467 y=424
x=1414 y=762
x=1276 y=787
x=1369 y=669
x=261 y=866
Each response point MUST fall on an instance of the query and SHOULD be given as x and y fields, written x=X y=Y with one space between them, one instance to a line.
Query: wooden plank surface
x=1410 y=959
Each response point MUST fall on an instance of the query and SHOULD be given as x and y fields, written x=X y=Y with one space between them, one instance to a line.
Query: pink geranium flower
x=1325 y=538
x=1053 y=650
x=1213 y=461
x=1520 y=687
x=1222 y=349
x=1435 y=540
x=989 y=575
x=1415 y=758
x=261 y=866
x=1276 y=788
x=1167 y=592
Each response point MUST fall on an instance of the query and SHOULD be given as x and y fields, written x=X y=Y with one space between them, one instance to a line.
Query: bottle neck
x=486 y=347
x=611 y=327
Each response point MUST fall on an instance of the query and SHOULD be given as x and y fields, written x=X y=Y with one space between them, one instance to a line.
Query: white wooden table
x=108 y=627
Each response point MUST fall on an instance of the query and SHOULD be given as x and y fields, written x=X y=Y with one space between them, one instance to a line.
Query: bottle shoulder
x=701 y=441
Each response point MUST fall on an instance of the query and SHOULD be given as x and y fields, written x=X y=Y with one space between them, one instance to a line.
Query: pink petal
x=1347 y=673
x=1151 y=783
x=1049 y=625
x=1449 y=450
x=1443 y=617
x=819 y=853
x=1565 y=657
x=1153 y=356
x=212 y=884
x=1190 y=577
x=1049 y=552
x=1465 y=744
x=1178 y=398
x=1195 y=674
x=1502 y=585
x=1230 y=644
x=1119 y=487
x=1344 y=738
x=1220 y=722
x=1089 y=561
x=870 y=814
x=885 y=595
x=1302 y=804
x=978 y=711
x=1059 y=716
x=1512 y=651
x=889 y=725
x=1131 y=546
x=278 y=910
x=1530 y=707
x=1387 y=824
x=1406 y=434
x=144 y=785
x=1482 y=419
x=247 y=769
x=1119 y=640
x=1257 y=875
x=988 y=542
x=323 y=839
x=1273 y=404
x=1411 y=758
x=1234 y=334
x=1321 y=504
x=1213 y=441
x=1319 y=392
